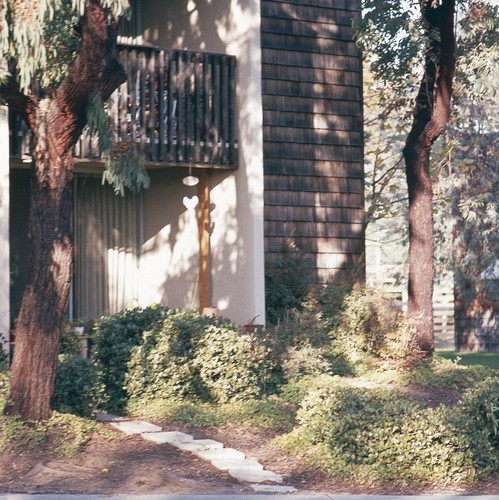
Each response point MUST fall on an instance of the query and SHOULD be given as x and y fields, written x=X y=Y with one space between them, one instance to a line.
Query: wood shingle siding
x=313 y=134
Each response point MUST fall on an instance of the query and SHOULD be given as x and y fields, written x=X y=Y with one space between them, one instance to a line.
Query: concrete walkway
x=226 y=459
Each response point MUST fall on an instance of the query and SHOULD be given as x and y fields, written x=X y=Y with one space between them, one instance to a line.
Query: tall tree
x=431 y=113
x=409 y=42
x=61 y=60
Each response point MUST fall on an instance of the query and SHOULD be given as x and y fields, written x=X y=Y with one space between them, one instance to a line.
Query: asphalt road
x=245 y=497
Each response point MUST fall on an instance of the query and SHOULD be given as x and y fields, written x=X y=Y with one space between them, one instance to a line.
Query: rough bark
x=45 y=299
x=430 y=118
x=56 y=124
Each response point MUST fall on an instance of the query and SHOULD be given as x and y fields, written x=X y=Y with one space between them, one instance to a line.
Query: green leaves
x=233 y=366
x=115 y=337
x=391 y=34
x=190 y=356
x=40 y=36
x=77 y=390
x=124 y=168
x=382 y=434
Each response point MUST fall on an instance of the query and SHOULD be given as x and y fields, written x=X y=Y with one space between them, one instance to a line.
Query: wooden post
x=204 y=228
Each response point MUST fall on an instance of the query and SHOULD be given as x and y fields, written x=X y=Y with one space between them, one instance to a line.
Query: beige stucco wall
x=169 y=265
x=4 y=230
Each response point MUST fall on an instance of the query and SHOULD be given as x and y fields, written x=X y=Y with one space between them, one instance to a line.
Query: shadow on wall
x=172 y=234
x=168 y=268
x=230 y=266
x=193 y=24
x=219 y=26
x=314 y=159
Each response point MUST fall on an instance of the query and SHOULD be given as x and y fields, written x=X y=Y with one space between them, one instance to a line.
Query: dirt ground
x=131 y=465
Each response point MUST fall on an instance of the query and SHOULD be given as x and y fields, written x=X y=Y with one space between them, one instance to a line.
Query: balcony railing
x=176 y=107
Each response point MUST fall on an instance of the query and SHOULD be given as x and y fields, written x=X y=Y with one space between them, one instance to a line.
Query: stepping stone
x=167 y=437
x=272 y=488
x=224 y=464
x=255 y=476
x=109 y=417
x=135 y=427
x=223 y=454
x=198 y=445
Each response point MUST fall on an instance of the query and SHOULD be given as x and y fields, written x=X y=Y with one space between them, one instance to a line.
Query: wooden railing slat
x=176 y=107
x=162 y=111
x=143 y=102
x=232 y=138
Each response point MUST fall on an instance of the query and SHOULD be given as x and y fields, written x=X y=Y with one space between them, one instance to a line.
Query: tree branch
x=18 y=101
x=95 y=69
x=446 y=69
x=434 y=97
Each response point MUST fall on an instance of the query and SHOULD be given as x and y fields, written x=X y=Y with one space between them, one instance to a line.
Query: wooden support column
x=204 y=229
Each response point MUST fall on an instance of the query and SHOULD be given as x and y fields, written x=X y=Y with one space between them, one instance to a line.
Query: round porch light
x=190 y=180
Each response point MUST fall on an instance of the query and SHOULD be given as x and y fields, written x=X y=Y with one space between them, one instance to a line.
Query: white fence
x=443 y=313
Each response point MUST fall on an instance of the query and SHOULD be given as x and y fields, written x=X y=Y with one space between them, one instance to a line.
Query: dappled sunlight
x=169 y=260
x=236 y=198
x=313 y=139
x=184 y=24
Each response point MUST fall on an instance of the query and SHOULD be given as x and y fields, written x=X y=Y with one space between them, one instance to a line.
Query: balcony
x=177 y=107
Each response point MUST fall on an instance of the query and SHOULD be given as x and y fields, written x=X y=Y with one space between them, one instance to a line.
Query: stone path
x=226 y=459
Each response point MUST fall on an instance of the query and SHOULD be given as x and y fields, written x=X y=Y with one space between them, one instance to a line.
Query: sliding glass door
x=107 y=246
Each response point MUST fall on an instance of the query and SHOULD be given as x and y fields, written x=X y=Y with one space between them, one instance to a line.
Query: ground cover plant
x=339 y=384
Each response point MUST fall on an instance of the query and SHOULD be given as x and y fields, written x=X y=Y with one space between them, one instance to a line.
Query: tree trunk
x=56 y=124
x=430 y=118
x=421 y=269
x=44 y=305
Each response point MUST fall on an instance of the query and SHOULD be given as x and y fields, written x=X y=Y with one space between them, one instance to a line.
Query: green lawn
x=490 y=359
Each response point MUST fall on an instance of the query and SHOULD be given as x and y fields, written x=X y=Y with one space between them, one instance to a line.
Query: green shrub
x=16 y=435
x=383 y=436
x=4 y=359
x=440 y=372
x=162 y=365
x=339 y=362
x=356 y=328
x=196 y=415
x=330 y=301
x=298 y=328
x=189 y=356
x=71 y=339
x=66 y=434
x=350 y=417
x=233 y=365
x=296 y=390
x=60 y=436
x=369 y=328
x=480 y=404
x=114 y=338
x=288 y=276
x=4 y=389
x=305 y=361
x=260 y=415
x=76 y=389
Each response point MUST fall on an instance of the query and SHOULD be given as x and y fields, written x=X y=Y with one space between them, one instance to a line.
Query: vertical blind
x=107 y=242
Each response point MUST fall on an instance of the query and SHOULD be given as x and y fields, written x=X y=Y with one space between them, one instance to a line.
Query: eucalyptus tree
x=60 y=65
x=414 y=47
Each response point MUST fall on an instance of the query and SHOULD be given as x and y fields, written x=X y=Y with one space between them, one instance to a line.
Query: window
x=107 y=242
